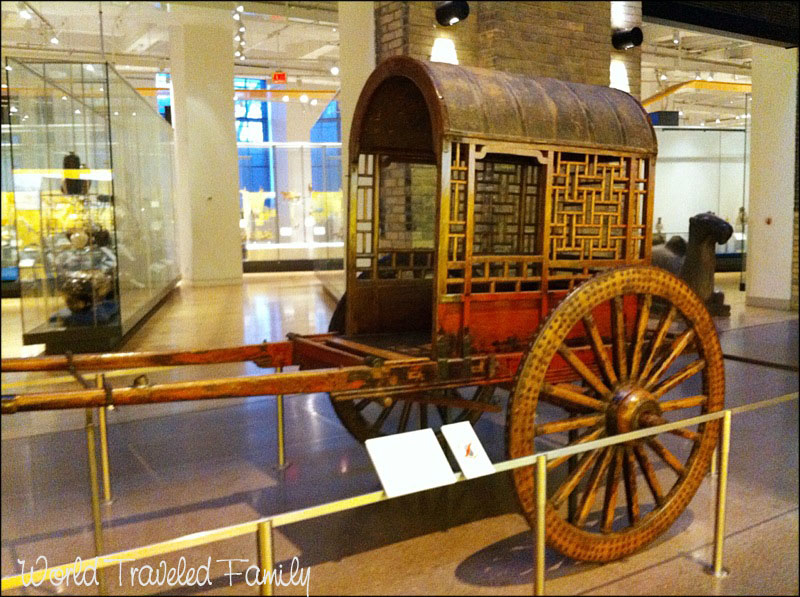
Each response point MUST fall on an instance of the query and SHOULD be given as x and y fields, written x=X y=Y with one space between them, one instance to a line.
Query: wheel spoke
x=641 y=328
x=686 y=434
x=612 y=488
x=629 y=468
x=583 y=370
x=676 y=349
x=404 y=415
x=678 y=378
x=376 y=426
x=599 y=349
x=680 y=403
x=666 y=456
x=567 y=397
x=587 y=437
x=618 y=333
x=649 y=474
x=590 y=494
x=574 y=478
x=567 y=424
x=661 y=333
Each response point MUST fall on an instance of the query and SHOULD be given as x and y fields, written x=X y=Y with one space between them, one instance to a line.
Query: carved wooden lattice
x=505 y=207
x=366 y=199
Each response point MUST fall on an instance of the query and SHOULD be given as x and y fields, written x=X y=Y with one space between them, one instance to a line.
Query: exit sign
x=279 y=77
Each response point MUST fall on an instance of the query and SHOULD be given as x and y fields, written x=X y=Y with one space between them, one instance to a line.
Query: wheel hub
x=627 y=406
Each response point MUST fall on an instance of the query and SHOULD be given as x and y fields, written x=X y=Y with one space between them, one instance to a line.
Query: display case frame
x=92 y=177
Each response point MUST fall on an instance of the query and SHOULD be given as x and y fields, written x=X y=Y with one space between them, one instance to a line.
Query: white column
x=772 y=173
x=206 y=159
x=356 y=63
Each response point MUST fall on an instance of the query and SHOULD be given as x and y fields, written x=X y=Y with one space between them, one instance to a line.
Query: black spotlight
x=450 y=13
x=625 y=39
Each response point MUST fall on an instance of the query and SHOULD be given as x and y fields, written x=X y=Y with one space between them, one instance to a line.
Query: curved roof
x=409 y=105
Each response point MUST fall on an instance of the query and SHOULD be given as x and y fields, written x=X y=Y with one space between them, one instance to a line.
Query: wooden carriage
x=499 y=241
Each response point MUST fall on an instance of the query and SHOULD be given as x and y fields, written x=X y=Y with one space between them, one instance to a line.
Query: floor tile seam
x=688 y=552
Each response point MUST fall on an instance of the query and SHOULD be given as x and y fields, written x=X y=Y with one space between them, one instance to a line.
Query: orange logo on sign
x=279 y=77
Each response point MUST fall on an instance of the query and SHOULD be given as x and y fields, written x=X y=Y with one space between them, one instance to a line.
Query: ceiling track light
x=625 y=39
x=240 y=8
x=450 y=13
x=236 y=16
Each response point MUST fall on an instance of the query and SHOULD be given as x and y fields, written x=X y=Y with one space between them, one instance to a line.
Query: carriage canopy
x=408 y=106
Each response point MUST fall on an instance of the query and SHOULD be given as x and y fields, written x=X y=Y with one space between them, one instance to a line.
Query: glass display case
x=91 y=165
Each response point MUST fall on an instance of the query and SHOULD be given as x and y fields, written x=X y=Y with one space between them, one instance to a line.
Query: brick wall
x=564 y=40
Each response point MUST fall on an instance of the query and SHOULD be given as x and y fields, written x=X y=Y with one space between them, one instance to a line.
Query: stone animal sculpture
x=695 y=262
x=705 y=231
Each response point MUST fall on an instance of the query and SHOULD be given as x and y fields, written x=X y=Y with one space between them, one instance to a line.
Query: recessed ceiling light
x=314 y=102
x=697 y=76
x=717 y=121
x=237 y=53
x=13 y=109
x=243 y=57
x=240 y=8
x=25 y=14
x=77 y=111
x=54 y=40
x=737 y=117
x=304 y=99
x=285 y=98
x=242 y=29
x=89 y=67
x=9 y=68
x=334 y=70
x=680 y=112
x=236 y=16
x=237 y=38
x=244 y=43
x=64 y=97
x=116 y=113
x=133 y=114
x=663 y=77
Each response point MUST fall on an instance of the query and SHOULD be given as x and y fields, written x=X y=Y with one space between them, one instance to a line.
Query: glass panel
x=62 y=191
x=142 y=148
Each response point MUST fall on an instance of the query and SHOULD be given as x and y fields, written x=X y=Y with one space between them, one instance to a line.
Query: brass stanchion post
x=281 y=450
x=95 y=489
x=265 y=556
x=722 y=487
x=101 y=412
x=541 y=502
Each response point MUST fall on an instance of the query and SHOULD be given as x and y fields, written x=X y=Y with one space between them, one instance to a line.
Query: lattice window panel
x=408 y=264
x=505 y=208
x=457 y=219
x=366 y=204
x=591 y=195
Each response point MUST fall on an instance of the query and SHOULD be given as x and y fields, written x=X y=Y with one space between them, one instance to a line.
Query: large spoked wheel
x=651 y=371
x=366 y=418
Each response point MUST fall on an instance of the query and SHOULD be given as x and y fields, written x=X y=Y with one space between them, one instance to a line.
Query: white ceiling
x=696 y=55
x=300 y=37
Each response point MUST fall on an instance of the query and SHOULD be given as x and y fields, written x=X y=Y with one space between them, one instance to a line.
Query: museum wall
x=697 y=171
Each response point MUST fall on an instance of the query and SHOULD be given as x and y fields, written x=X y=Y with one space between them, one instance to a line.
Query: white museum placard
x=409 y=462
x=467 y=449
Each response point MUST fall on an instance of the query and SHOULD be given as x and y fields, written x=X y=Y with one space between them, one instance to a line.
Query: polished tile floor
x=177 y=471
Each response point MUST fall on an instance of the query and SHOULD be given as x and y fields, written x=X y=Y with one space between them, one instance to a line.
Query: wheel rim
x=646 y=373
x=374 y=417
